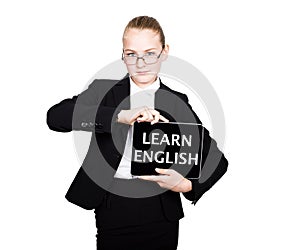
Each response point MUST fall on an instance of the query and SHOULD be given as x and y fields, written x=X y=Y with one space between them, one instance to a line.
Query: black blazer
x=95 y=110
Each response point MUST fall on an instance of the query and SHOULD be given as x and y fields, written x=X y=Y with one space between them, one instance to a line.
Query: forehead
x=141 y=40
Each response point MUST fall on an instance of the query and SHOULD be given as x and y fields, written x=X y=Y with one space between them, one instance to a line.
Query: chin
x=144 y=79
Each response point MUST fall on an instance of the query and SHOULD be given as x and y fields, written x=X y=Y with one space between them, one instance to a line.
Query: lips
x=142 y=72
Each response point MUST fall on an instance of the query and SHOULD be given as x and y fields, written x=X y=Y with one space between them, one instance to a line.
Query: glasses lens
x=130 y=60
x=150 y=59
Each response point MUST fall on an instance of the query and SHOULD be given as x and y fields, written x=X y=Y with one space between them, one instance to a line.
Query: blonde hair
x=146 y=22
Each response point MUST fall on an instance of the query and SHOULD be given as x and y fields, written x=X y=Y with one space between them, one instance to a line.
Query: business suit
x=88 y=115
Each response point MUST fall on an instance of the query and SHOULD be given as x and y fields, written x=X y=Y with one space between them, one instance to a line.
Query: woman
x=149 y=220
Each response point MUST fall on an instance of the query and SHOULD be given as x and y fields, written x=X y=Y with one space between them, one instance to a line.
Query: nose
x=140 y=63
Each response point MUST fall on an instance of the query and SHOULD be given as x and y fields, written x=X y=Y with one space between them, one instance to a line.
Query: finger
x=148 y=116
x=138 y=112
x=156 y=119
x=163 y=118
x=145 y=113
x=153 y=111
x=155 y=115
x=163 y=171
x=146 y=177
x=143 y=119
x=144 y=116
x=155 y=178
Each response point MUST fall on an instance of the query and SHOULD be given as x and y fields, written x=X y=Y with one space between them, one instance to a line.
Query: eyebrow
x=136 y=51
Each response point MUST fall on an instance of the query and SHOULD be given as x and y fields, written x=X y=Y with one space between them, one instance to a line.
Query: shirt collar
x=152 y=87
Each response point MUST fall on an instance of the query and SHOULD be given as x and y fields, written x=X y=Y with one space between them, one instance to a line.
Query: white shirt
x=138 y=97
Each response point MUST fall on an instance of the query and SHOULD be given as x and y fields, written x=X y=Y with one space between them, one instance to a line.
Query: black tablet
x=171 y=145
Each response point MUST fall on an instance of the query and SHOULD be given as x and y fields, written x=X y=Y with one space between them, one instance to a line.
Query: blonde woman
x=152 y=221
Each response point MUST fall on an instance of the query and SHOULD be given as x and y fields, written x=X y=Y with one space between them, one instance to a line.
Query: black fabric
x=84 y=190
x=117 y=210
x=134 y=223
x=159 y=235
x=127 y=223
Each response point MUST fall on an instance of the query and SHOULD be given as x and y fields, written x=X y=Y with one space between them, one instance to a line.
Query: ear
x=165 y=52
x=122 y=56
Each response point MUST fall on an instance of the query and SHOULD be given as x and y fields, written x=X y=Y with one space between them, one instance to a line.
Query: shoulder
x=177 y=93
x=104 y=87
x=102 y=83
x=107 y=84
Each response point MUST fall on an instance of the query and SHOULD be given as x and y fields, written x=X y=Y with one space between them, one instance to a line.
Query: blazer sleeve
x=214 y=165
x=86 y=111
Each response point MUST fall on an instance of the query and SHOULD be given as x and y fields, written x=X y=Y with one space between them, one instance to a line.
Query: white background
x=249 y=51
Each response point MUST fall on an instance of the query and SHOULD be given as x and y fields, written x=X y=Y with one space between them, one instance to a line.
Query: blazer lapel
x=121 y=92
x=164 y=101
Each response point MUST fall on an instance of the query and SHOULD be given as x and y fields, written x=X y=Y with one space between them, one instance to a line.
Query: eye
x=130 y=54
x=150 y=53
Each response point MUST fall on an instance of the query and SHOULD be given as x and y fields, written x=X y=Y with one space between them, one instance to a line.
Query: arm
x=214 y=165
x=86 y=111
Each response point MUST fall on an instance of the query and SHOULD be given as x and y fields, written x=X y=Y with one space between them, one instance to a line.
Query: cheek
x=131 y=68
x=154 y=67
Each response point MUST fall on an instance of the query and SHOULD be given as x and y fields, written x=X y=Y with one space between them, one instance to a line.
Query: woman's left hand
x=169 y=179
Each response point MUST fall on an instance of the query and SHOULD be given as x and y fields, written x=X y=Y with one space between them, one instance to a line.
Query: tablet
x=171 y=145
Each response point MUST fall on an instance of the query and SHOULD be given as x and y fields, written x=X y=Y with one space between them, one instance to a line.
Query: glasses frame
x=142 y=57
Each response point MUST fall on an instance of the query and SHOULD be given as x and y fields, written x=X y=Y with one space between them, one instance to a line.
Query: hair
x=146 y=22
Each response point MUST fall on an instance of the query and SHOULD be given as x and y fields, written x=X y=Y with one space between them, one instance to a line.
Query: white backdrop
x=249 y=51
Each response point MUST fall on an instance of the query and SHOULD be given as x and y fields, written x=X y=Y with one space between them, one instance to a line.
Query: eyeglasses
x=148 y=58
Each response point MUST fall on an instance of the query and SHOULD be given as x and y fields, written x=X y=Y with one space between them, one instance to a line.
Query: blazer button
x=84 y=124
x=98 y=125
